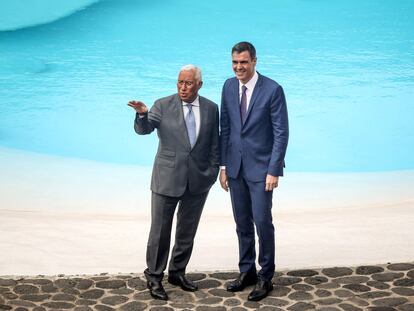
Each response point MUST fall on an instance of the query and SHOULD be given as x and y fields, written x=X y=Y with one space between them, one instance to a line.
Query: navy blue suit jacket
x=262 y=140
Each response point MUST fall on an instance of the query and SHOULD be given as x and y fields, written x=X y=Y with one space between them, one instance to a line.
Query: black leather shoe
x=243 y=280
x=261 y=290
x=183 y=282
x=156 y=290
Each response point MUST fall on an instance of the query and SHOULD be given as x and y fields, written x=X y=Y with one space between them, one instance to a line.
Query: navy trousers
x=252 y=206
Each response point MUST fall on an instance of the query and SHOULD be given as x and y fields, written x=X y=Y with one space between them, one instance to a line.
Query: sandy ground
x=69 y=216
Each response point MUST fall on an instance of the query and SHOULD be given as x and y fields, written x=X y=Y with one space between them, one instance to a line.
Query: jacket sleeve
x=214 y=148
x=280 y=125
x=224 y=129
x=148 y=122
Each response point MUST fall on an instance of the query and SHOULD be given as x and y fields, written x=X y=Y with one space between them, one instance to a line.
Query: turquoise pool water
x=347 y=68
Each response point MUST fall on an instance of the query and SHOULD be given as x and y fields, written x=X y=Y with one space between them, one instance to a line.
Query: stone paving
x=380 y=287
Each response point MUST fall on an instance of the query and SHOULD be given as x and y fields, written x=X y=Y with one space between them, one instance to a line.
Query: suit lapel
x=203 y=118
x=256 y=91
x=235 y=102
x=179 y=116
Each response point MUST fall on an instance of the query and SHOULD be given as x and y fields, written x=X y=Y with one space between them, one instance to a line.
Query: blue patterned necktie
x=191 y=125
x=243 y=104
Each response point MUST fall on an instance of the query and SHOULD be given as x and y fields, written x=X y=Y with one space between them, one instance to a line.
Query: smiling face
x=243 y=66
x=188 y=85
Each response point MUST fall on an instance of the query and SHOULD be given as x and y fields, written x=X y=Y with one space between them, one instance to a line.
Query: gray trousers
x=163 y=208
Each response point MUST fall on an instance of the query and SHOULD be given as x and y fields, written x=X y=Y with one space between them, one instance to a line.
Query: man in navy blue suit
x=253 y=140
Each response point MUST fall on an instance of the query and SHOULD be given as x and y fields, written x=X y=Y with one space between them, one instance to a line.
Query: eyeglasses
x=186 y=83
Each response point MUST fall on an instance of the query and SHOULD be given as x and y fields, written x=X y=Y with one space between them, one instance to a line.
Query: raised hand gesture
x=138 y=106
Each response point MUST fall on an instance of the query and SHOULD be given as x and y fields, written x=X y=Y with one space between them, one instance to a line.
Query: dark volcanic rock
x=366 y=270
x=349 y=307
x=337 y=272
x=378 y=285
x=275 y=302
x=300 y=295
x=134 y=306
x=92 y=294
x=251 y=304
x=114 y=300
x=207 y=308
x=304 y=287
x=64 y=283
x=58 y=305
x=50 y=288
x=373 y=295
x=7 y=282
x=63 y=297
x=286 y=280
x=162 y=309
x=406 y=307
x=25 y=289
x=209 y=283
x=35 y=298
x=389 y=302
x=210 y=300
x=84 y=284
x=219 y=292
x=327 y=301
x=315 y=280
x=323 y=293
x=111 y=284
x=403 y=291
x=387 y=276
x=351 y=279
x=36 y=281
x=137 y=283
x=301 y=306
x=85 y=302
x=400 y=266
x=103 y=308
x=357 y=287
x=232 y=302
x=344 y=293
x=302 y=273
x=196 y=276
x=404 y=282
x=280 y=291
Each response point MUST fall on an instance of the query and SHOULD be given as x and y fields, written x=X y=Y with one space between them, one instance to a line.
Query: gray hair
x=195 y=68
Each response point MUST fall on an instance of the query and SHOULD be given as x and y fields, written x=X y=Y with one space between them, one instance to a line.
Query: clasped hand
x=271 y=181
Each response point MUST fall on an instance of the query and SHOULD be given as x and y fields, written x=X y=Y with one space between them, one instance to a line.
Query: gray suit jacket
x=176 y=163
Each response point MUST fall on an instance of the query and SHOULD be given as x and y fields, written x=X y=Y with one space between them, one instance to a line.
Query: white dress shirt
x=250 y=88
x=196 y=111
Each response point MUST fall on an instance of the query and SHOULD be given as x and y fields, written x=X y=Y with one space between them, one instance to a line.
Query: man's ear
x=200 y=84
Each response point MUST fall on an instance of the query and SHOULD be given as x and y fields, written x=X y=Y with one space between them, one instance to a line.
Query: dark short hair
x=244 y=46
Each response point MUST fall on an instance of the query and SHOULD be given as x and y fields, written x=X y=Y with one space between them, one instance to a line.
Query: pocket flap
x=169 y=153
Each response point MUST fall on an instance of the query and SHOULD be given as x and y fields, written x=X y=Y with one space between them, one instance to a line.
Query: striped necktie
x=243 y=104
x=191 y=125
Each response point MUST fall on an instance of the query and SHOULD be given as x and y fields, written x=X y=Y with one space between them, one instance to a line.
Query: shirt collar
x=251 y=83
x=196 y=102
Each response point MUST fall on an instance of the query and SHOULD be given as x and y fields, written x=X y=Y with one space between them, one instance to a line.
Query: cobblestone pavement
x=379 y=287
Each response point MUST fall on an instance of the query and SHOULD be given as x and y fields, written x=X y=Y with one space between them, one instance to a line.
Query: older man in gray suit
x=186 y=166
